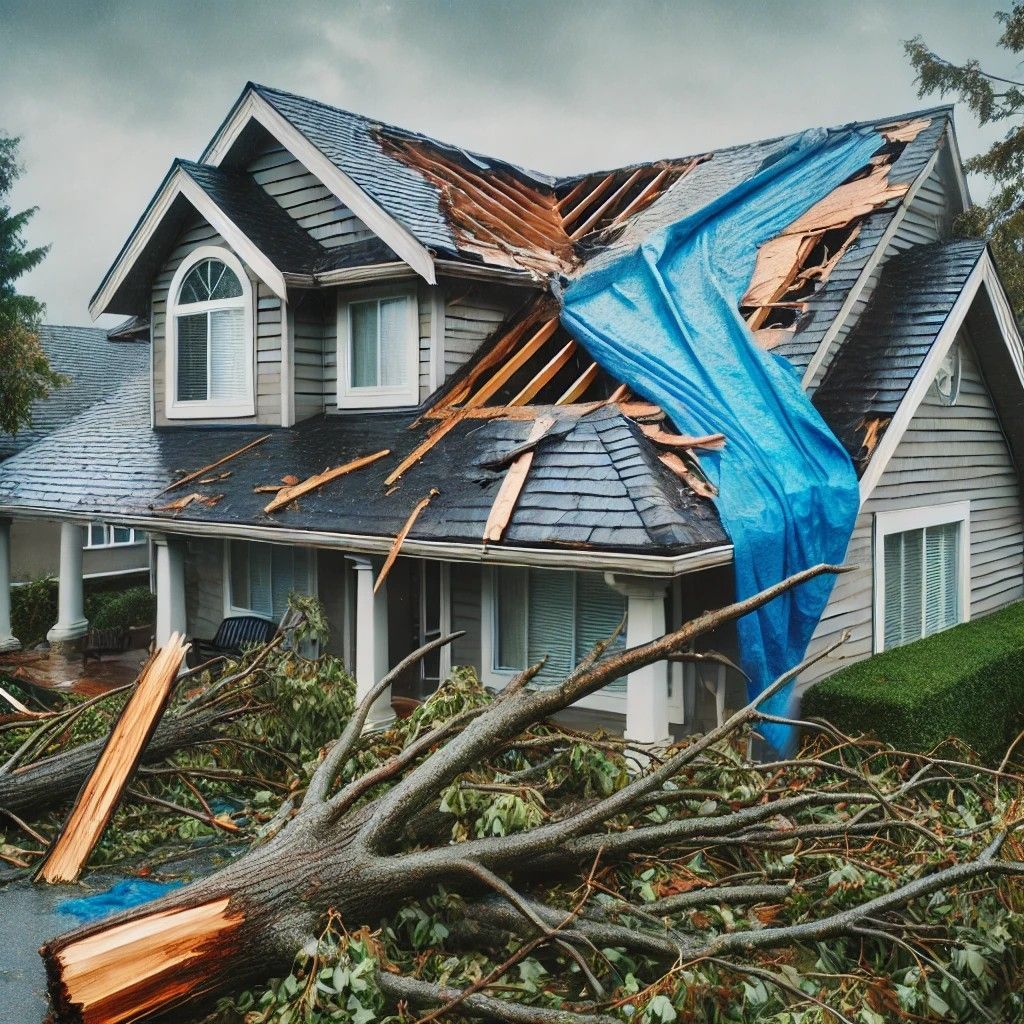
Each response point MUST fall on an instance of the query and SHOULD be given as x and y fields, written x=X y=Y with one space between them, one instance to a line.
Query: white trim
x=399 y=396
x=983 y=273
x=180 y=184
x=254 y=107
x=437 y=329
x=287 y=364
x=602 y=700
x=900 y=521
x=866 y=273
x=454 y=551
x=209 y=408
x=231 y=610
x=109 y=528
x=958 y=167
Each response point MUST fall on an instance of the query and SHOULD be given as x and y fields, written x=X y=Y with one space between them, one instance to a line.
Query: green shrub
x=966 y=682
x=121 y=610
x=33 y=610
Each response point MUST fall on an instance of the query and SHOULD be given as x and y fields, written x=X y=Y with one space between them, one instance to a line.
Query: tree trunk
x=57 y=778
x=242 y=924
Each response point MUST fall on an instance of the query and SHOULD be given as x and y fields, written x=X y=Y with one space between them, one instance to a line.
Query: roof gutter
x=453 y=551
x=398 y=269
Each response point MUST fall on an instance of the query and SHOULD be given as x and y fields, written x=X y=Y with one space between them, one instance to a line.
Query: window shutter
x=599 y=610
x=192 y=346
x=941 y=571
x=551 y=626
x=903 y=587
x=394 y=343
x=364 y=344
x=510 y=620
x=229 y=380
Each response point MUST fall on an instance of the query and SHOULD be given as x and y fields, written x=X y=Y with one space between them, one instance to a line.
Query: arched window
x=209 y=337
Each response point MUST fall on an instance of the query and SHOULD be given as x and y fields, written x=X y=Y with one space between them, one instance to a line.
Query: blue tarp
x=130 y=892
x=664 y=319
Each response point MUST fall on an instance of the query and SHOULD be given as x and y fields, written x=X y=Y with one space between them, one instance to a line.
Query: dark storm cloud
x=105 y=94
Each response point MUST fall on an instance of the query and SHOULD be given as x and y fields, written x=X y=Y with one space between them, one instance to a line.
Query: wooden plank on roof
x=663 y=437
x=513 y=483
x=546 y=373
x=288 y=494
x=645 y=194
x=529 y=349
x=424 y=446
x=594 y=217
x=579 y=386
x=591 y=197
x=187 y=479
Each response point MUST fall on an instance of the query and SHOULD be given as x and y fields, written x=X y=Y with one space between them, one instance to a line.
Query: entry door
x=435 y=621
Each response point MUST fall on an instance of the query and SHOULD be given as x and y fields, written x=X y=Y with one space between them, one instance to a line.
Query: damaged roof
x=594 y=484
x=95 y=367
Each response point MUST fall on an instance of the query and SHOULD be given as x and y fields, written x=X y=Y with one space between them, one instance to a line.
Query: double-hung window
x=922 y=572
x=210 y=337
x=378 y=351
x=261 y=576
x=553 y=613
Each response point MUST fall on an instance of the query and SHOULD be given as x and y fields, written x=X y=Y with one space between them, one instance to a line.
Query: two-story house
x=360 y=389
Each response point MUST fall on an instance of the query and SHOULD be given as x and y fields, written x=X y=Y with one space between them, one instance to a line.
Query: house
x=95 y=362
x=358 y=371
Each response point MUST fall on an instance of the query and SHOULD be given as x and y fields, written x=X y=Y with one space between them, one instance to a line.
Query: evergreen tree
x=993 y=99
x=25 y=373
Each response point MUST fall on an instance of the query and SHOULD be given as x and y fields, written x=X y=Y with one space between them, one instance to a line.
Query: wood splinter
x=512 y=486
x=694 y=481
x=189 y=477
x=399 y=540
x=287 y=495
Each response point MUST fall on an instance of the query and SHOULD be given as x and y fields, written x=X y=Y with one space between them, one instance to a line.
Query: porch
x=510 y=615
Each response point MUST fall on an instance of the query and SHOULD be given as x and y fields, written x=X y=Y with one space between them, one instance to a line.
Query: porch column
x=8 y=641
x=371 y=642
x=170 y=586
x=71 y=623
x=646 y=688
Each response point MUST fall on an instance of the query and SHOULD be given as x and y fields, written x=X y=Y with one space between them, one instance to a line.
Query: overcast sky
x=105 y=94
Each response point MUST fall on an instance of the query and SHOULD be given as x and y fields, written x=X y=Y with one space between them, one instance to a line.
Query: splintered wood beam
x=512 y=485
x=573 y=194
x=585 y=203
x=546 y=373
x=529 y=349
x=213 y=465
x=125 y=972
x=425 y=445
x=579 y=386
x=693 y=480
x=288 y=494
x=399 y=540
x=646 y=193
x=99 y=797
x=634 y=410
x=663 y=437
x=594 y=217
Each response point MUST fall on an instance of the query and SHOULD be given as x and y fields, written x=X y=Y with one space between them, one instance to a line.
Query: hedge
x=966 y=682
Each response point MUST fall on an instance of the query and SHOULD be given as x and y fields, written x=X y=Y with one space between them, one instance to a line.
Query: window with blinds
x=922 y=582
x=212 y=350
x=381 y=352
x=562 y=615
x=263 y=575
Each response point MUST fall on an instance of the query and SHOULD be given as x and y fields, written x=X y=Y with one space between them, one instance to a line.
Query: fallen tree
x=373 y=836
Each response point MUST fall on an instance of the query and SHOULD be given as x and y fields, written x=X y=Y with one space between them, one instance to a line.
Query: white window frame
x=395 y=397
x=231 y=609
x=136 y=537
x=209 y=408
x=602 y=700
x=904 y=519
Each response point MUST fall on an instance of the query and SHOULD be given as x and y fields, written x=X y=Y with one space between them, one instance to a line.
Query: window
x=378 y=352
x=261 y=576
x=922 y=569
x=102 y=535
x=209 y=337
x=538 y=612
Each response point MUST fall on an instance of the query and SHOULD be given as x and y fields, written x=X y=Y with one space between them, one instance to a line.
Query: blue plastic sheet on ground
x=130 y=892
x=664 y=319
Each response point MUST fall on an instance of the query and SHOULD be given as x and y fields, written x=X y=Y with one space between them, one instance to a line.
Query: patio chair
x=98 y=642
x=233 y=634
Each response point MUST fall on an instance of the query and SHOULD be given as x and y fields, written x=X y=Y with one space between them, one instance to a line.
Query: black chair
x=233 y=634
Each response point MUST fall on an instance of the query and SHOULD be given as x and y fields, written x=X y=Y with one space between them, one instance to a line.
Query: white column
x=170 y=587
x=646 y=688
x=371 y=642
x=71 y=623
x=8 y=641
